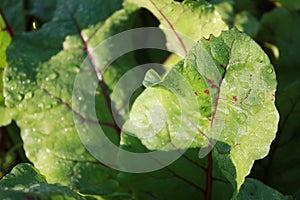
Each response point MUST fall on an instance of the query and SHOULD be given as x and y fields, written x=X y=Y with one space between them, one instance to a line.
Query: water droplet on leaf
x=242 y=117
x=255 y=109
x=28 y=95
x=270 y=70
x=52 y=76
x=19 y=97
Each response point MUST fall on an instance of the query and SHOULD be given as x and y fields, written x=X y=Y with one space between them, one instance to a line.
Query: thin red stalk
x=171 y=26
x=209 y=177
x=7 y=27
x=98 y=73
x=76 y=112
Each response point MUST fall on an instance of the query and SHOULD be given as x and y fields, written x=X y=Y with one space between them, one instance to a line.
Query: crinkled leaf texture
x=38 y=87
x=273 y=29
x=247 y=23
x=253 y=190
x=5 y=40
x=26 y=182
x=234 y=84
x=173 y=16
x=271 y=170
x=280 y=169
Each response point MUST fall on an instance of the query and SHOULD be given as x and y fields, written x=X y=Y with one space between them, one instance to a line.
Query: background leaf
x=271 y=170
x=43 y=109
x=253 y=189
x=280 y=168
x=173 y=15
x=25 y=182
x=275 y=30
x=289 y=4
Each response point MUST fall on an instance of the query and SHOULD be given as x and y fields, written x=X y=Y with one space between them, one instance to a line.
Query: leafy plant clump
x=226 y=104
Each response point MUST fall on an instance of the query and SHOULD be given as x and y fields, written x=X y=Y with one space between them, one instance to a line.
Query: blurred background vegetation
x=274 y=24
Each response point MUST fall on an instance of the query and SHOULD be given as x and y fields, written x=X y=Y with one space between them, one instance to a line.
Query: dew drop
x=19 y=97
x=65 y=129
x=48 y=106
x=18 y=187
x=254 y=109
x=244 y=84
x=33 y=129
x=54 y=103
x=261 y=96
x=229 y=79
x=203 y=109
x=79 y=151
x=40 y=105
x=62 y=118
x=242 y=117
x=270 y=70
x=28 y=95
x=52 y=76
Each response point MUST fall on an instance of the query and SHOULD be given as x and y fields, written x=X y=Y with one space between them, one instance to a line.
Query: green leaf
x=256 y=8
x=275 y=30
x=183 y=179
x=151 y=78
x=173 y=16
x=280 y=169
x=253 y=189
x=42 y=10
x=15 y=14
x=38 y=87
x=225 y=8
x=247 y=23
x=5 y=118
x=289 y=4
x=25 y=182
x=224 y=79
x=5 y=40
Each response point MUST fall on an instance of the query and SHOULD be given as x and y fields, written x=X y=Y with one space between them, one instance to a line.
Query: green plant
x=218 y=100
